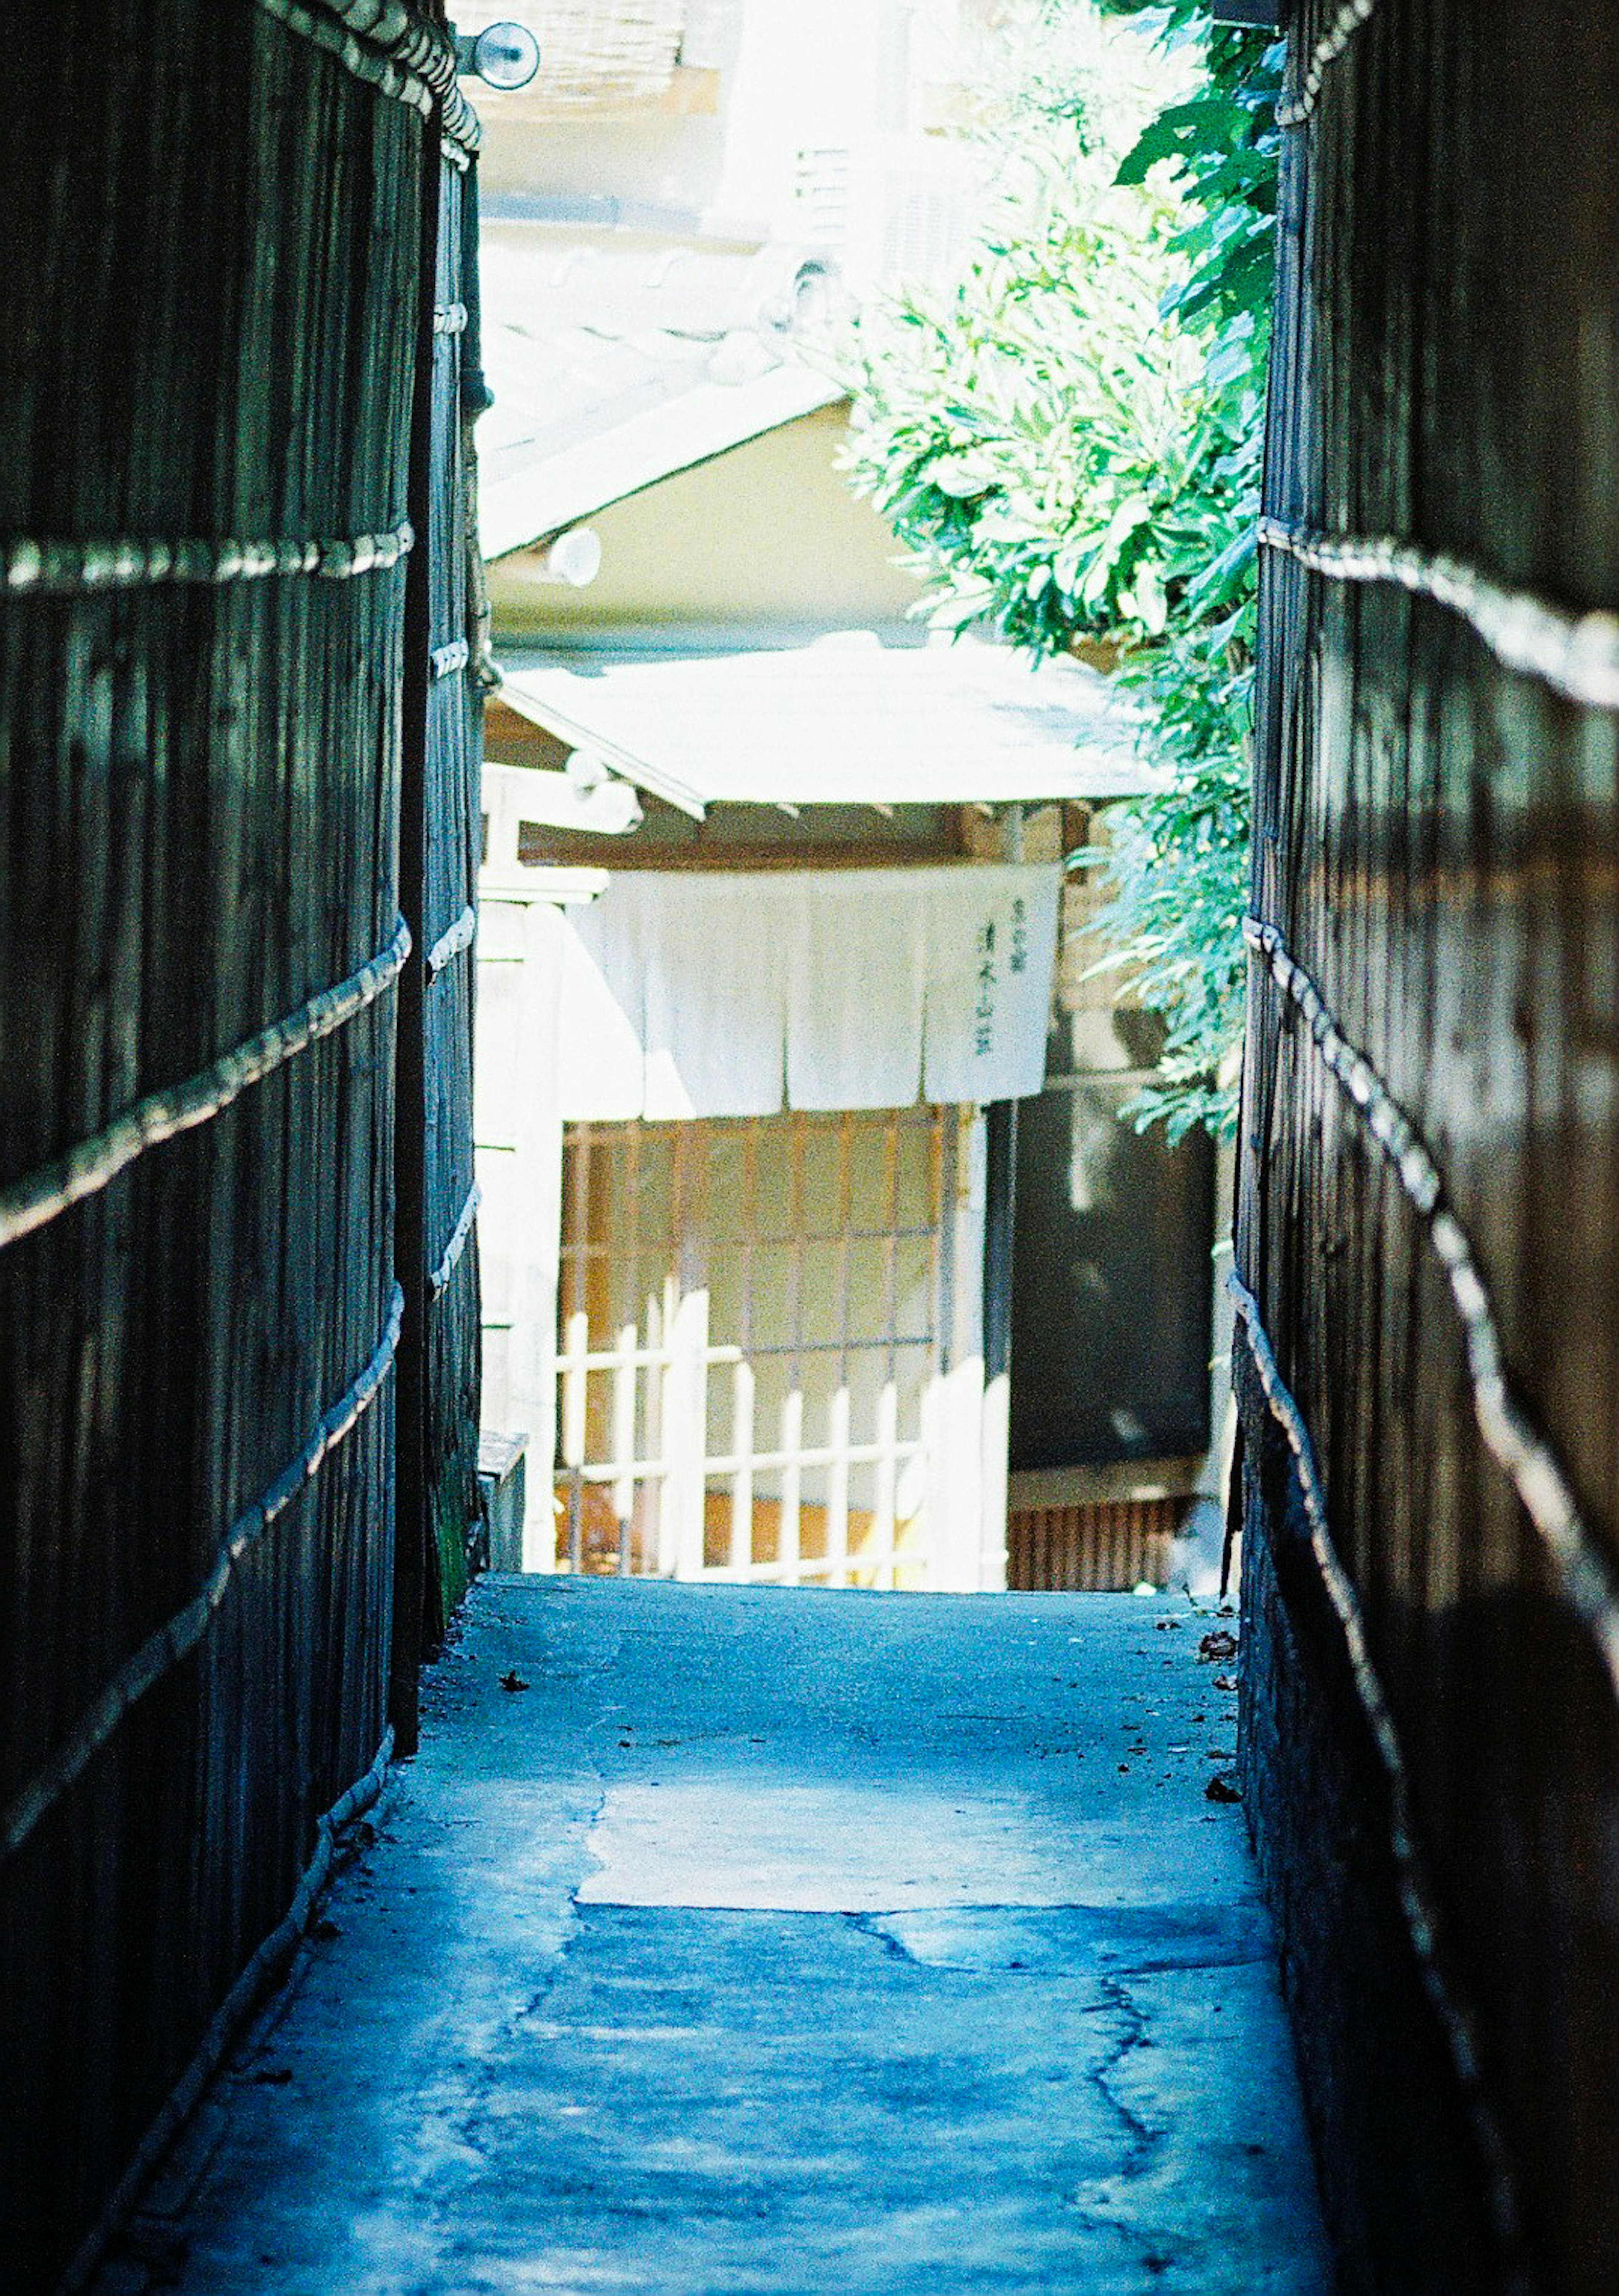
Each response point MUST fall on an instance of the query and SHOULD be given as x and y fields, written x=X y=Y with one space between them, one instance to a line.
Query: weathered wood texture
x=209 y=324
x=1103 y=1547
x=1434 y=840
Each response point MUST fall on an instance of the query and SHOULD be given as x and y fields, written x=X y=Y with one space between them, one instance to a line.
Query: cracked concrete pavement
x=775 y=1942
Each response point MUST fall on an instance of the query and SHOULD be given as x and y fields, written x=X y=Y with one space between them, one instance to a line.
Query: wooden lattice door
x=755 y=1320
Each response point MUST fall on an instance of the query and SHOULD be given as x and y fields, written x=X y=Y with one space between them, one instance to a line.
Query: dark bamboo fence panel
x=441 y=841
x=209 y=325
x=1432 y=1736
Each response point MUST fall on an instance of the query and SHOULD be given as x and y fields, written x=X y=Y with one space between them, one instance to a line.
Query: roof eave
x=516 y=513
x=581 y=736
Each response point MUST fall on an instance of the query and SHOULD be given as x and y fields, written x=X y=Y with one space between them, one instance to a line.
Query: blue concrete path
x=767 y=1944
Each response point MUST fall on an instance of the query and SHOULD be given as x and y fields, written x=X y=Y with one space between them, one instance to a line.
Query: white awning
x=741 y=994
x=842 y=721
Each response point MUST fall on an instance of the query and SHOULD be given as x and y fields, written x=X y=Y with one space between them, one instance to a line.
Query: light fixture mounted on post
x=502 y=55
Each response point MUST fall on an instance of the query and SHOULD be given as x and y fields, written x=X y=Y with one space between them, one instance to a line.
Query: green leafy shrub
x=1069 y=444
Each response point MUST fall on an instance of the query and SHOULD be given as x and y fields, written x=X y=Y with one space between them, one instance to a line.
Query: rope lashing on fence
x=163 y=1651
x=1577 y=655
x=450 y=319
x=438 y=1282
x=1292 y=111
x=379 y=72
x=266 y=1965
x=392 y=49
x=1588 y=1578
x=445 y=660
x=1418 y=1901
x=29 y=569
x=401 y=32
x=30 y=1203
x=449 y=945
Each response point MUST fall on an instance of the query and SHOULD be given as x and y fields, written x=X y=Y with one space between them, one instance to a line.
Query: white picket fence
x=659 y=1388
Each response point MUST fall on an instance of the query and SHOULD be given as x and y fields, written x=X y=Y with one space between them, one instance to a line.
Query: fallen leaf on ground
x=513 y=1681
x=1225 y=1682
x=1217 y=1646
x=1222 y=1787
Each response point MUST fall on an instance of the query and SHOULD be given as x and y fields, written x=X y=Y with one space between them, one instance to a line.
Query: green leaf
x=1066 y=438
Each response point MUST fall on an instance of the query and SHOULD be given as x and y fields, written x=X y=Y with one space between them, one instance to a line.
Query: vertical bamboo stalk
x=412 y=1479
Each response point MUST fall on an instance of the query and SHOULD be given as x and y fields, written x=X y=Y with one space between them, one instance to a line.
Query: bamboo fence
x=212 y=326
x=1428 y=1238
x=451 y=827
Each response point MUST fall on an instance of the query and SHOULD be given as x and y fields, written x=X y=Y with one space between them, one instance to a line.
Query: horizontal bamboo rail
x=72 y=570
x=268 y=1964
x=30 y=1203
x=392 y=49
x=161 y=1653
x=1589 y=1579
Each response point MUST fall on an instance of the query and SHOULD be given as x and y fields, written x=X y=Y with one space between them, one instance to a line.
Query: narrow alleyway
x=725 y=1940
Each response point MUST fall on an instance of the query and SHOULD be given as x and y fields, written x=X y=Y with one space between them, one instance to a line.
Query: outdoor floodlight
x=574 y=558
x=585 y=771
x=503 y=55
x=591 y=796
